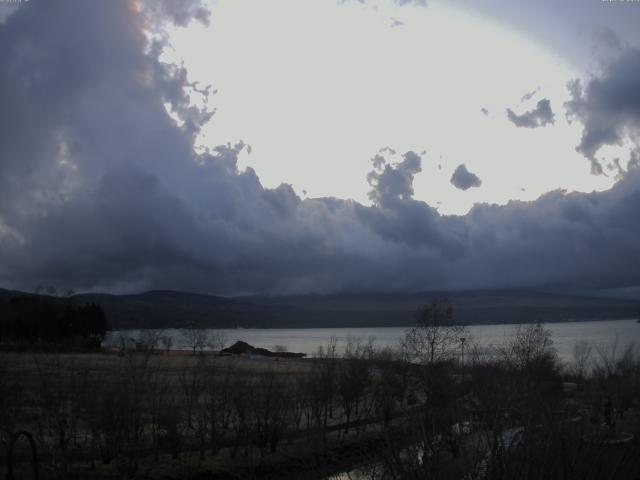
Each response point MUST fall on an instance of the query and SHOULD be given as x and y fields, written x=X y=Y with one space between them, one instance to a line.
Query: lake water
x=602 y=334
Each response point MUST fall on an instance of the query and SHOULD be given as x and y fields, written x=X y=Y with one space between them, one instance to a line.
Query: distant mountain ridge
x=167 y=308
x=175 y=309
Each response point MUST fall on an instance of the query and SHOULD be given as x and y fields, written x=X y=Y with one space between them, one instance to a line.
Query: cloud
x=529 y=95
x=392 y=182
x=608 y=106
x=463 y=179
x=538 y=117
x=419 y=3
x=100 y=189
x=402 y=3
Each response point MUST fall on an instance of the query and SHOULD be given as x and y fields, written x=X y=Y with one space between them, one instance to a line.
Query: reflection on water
x=608 y=334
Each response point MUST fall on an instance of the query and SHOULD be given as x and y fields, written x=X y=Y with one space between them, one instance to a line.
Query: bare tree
x=191 y=379
x=581 y=355
x=131 y=411
x=217 y=401
x=435 y=337
x=241 y=407
x=216 y=340
x=605 y=362
x=389 y=386
x=195 y=338
x=270 y=406
x=353 y=378
x=167 y=342
x=149 y=339
x=530 y=345
x=60 y=383
x=324 y=386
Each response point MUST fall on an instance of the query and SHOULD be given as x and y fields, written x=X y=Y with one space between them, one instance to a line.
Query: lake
x=603 y=334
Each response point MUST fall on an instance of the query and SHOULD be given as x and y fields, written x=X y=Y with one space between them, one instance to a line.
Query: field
x=104 y=415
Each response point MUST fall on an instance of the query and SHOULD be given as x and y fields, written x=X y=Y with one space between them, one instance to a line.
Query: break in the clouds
x=463 y=179
x=538 y=117
x=101 y=187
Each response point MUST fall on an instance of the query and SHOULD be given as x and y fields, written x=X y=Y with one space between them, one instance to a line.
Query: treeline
x=44 y=322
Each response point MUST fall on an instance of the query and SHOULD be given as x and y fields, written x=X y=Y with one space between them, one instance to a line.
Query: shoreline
x=308 y=327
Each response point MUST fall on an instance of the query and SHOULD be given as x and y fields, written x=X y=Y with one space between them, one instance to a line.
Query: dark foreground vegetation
x=41 y=322
x=437 y=407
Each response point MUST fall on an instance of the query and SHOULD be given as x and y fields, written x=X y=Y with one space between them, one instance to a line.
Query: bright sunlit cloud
x=316 y=88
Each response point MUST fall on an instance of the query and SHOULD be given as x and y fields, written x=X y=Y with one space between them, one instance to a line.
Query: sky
x=292 y=146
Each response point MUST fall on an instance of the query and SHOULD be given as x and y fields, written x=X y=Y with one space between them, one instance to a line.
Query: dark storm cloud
x=463 y=179
x=538 y=117
x=567 y=236
x=608 y=106
x=101 y=190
